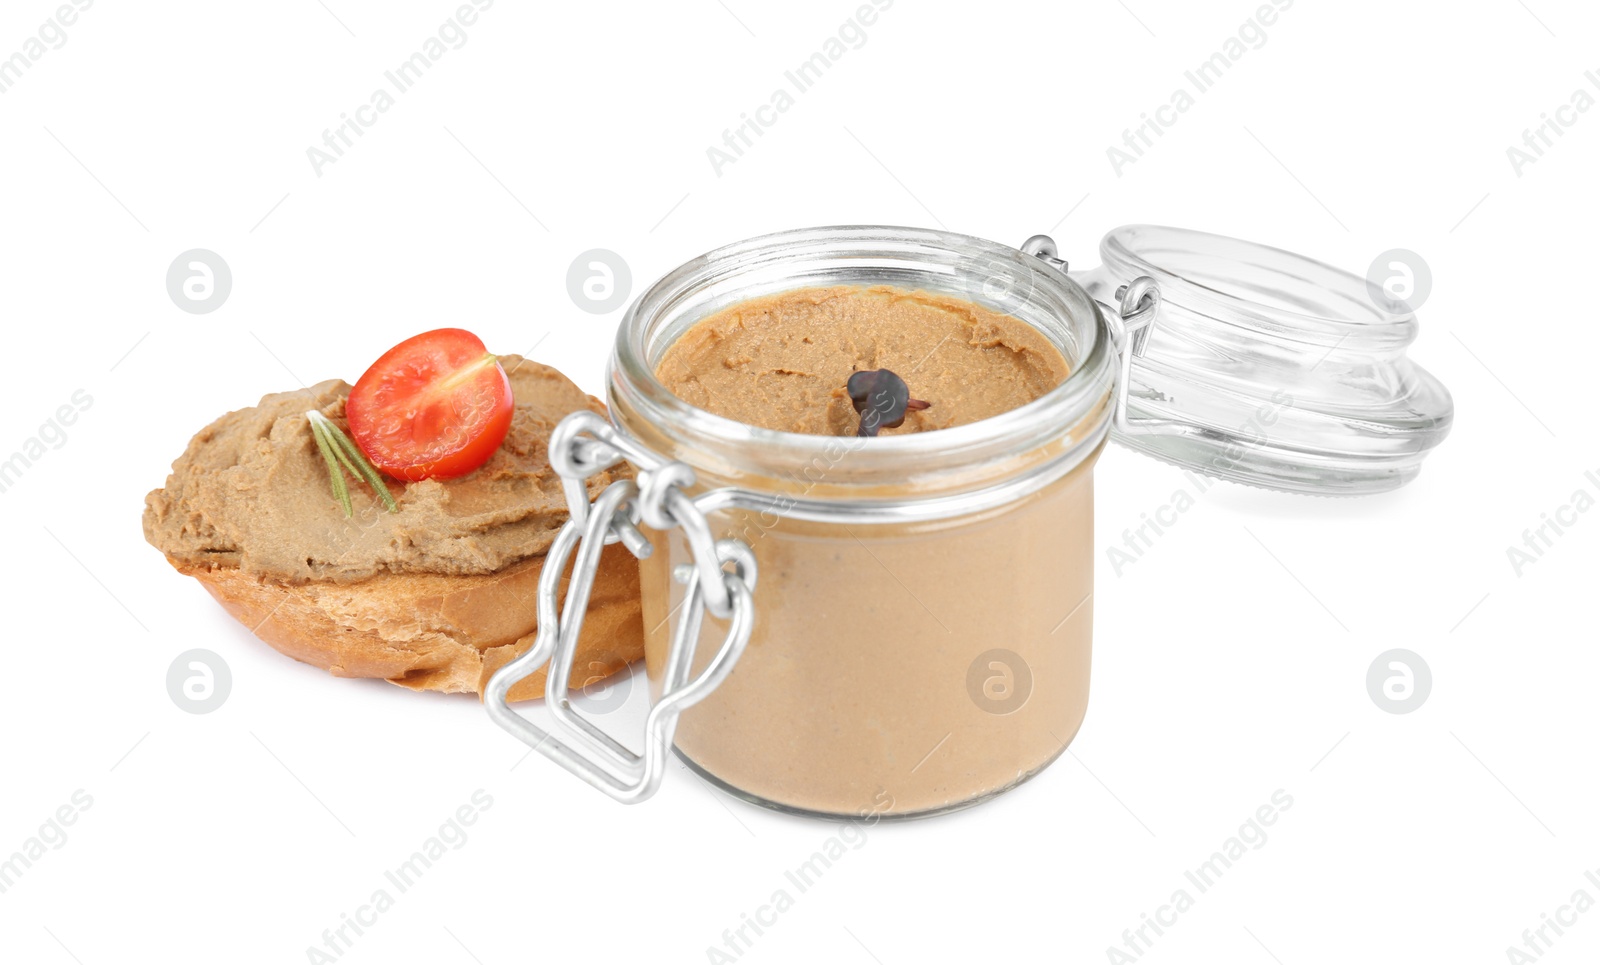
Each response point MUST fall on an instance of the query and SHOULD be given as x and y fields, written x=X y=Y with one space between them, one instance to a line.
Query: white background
x=1230 y=661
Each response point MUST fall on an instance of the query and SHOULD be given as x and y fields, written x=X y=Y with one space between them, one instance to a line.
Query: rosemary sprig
x=335 y=474
x=341 y=454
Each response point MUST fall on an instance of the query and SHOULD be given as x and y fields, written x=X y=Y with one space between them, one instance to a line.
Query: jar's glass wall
x=895 y=670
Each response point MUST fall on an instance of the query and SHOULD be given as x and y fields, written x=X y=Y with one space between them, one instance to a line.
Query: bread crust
x=433 y=631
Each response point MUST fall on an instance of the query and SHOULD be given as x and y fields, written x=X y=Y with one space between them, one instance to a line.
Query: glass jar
x=901 y=626
x=922 y=638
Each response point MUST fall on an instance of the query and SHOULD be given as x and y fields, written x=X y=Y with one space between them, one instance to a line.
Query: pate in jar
x=922 y=632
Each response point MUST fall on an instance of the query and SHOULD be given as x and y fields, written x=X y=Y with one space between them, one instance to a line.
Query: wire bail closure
x=583 y=445
x=1131 y=321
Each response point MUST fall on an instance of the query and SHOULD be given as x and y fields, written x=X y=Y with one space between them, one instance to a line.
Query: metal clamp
x=582 y=445
x=1131 y=321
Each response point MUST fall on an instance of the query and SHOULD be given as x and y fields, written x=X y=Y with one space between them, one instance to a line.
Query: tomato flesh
x=436 y=406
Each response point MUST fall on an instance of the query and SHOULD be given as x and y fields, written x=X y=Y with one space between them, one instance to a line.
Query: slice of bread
x=434 y=632
x=436 y=596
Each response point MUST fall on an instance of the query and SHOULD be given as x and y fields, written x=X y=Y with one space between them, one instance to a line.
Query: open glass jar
x=920 y=637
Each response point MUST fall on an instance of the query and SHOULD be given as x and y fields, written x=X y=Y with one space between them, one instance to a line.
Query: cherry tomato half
x=435 y=406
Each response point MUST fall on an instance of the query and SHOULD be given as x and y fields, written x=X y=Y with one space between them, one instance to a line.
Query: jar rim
x=1080 y=401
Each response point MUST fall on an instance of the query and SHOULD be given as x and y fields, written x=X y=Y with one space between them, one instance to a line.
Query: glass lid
x=1266 y=367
